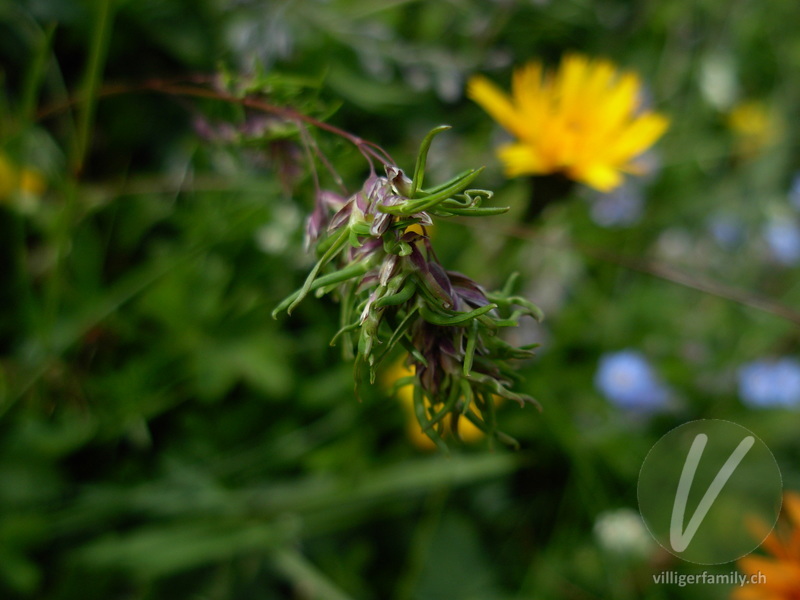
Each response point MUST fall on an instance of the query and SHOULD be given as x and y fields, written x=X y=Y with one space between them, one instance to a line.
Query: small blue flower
x=628 y=380
x=727 y=230
x=765 y=383
x=783 y=239
x=622 y=207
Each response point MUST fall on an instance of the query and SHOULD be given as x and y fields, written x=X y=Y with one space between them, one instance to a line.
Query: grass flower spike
x=457 y=425
x=396 y=295
x=584 y=121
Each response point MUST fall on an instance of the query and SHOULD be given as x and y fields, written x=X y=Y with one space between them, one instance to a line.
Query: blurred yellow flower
x=466 y=430
x=584 y=121
x=31 y=182
x=14 y=180
x=781 y=572
x=754 y=125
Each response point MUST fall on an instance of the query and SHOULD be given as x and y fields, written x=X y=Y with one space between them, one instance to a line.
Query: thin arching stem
x=197 y=87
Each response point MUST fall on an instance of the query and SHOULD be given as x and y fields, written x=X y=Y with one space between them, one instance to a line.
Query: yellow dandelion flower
x=466 y=430
x=781 y=572
x=584 y=121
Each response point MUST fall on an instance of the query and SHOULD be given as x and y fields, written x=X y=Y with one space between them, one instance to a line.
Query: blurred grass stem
x=306 y=576
x=104 y=16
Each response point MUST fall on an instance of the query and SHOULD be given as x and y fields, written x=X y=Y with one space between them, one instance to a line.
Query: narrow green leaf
x=337 y=245
x=446 y=409
x=489 y=211
x=469 y=351
x=422 y=158
x=422 y=417
x=400 y=297
x=339 y=276
x=101 y=34
x=414 y=206
x=455 y=318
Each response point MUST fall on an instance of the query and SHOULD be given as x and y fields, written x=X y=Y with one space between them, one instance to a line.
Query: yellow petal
x=755 y=592
x=601 y=177
x=780 y=575
x=467 y=431
x=418 y=437
x=791 y=506
x=638 y=136
x=619 y=103
x=531 y=98
x=521 y=159
x=495 y=102
x=771 y=544
x=600 y=80
x=570 y=80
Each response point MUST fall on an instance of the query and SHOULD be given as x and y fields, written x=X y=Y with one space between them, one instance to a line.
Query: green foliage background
x=161 y=436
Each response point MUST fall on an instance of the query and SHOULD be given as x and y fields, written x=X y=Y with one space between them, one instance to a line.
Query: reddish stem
x=369 y=149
